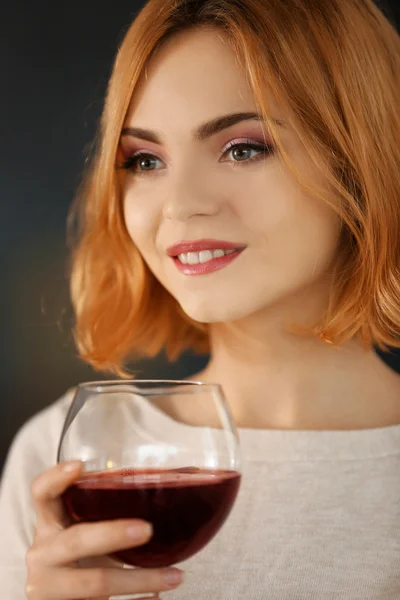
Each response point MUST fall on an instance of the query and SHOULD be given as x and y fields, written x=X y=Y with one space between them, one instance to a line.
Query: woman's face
x=200 y=189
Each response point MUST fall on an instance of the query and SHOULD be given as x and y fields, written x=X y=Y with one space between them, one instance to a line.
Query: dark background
x=56 y=61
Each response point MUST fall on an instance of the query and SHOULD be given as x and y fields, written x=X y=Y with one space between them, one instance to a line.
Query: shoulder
x=32 y=451
x=34 y=446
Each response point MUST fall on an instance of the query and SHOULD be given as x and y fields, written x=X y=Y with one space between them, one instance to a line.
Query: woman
x=243 y=200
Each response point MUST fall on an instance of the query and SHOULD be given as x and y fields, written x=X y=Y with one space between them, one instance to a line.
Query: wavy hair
x=336 y=67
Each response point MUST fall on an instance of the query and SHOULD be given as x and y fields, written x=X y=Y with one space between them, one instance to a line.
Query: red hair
x=336 y=66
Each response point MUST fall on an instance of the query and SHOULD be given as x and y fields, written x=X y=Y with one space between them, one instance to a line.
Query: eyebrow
x=204 y=131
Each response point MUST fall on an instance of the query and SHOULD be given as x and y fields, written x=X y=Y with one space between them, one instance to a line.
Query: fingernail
x=71 y=465
x=139 y=531
x=173 y=577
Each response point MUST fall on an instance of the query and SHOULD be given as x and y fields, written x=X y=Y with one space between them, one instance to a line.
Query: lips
x=183 y=254
x=199 y=245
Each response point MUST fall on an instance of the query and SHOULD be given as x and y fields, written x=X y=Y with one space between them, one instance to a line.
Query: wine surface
x=185 y=506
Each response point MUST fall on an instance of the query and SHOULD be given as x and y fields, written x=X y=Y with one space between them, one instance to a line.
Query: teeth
x=205 y=255
x=218 y=253
x=195 y=258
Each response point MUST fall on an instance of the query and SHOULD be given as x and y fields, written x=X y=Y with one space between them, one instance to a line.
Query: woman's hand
x=52 y=560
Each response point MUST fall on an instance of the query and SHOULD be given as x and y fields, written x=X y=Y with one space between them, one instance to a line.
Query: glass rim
x=113 y=386
x=157 y=385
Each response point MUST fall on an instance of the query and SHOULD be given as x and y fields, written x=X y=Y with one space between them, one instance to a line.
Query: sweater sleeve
x=33 y=450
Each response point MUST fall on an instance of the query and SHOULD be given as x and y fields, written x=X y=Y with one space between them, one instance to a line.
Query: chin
x=206 y=311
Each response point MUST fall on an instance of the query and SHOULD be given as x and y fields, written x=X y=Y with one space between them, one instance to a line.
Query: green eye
x=140 y=163
x=241 y=151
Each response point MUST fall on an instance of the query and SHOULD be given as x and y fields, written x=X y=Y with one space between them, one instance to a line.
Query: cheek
x=291 y=229
x=269 y=206
x=140 y=222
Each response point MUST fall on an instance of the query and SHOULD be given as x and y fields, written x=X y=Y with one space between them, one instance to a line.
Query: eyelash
x=265 y=150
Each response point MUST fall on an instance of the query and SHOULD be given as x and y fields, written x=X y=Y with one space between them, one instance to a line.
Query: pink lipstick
x=200 y=257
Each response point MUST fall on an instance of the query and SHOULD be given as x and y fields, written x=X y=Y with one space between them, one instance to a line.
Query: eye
x=140 y=163
x=243 y=152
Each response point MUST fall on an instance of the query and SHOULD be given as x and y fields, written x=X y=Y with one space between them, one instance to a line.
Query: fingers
x=57 y=549
x=75 y=584
x=92 y=539
x=46 y=491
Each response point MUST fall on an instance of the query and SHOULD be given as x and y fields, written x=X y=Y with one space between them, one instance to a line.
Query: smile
x=206 y=261
x=199 y=257
x=194 y=258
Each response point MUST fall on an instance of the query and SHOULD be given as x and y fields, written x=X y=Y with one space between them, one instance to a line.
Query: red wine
x=185 y=506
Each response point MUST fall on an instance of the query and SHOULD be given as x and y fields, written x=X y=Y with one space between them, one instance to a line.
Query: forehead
x=195 y=75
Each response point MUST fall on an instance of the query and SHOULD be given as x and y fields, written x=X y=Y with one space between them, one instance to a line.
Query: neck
x=276 y=379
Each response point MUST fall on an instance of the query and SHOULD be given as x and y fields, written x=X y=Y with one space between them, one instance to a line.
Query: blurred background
x=56 y=61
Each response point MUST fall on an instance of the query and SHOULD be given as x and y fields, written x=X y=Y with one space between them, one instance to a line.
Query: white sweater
x=317 y=516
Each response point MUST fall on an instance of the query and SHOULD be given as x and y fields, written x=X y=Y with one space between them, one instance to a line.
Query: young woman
x=269 y=130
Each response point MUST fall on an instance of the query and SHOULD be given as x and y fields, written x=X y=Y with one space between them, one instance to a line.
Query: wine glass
x=159 y=450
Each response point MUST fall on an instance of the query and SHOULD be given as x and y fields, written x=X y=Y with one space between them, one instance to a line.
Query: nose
x=188 y=198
